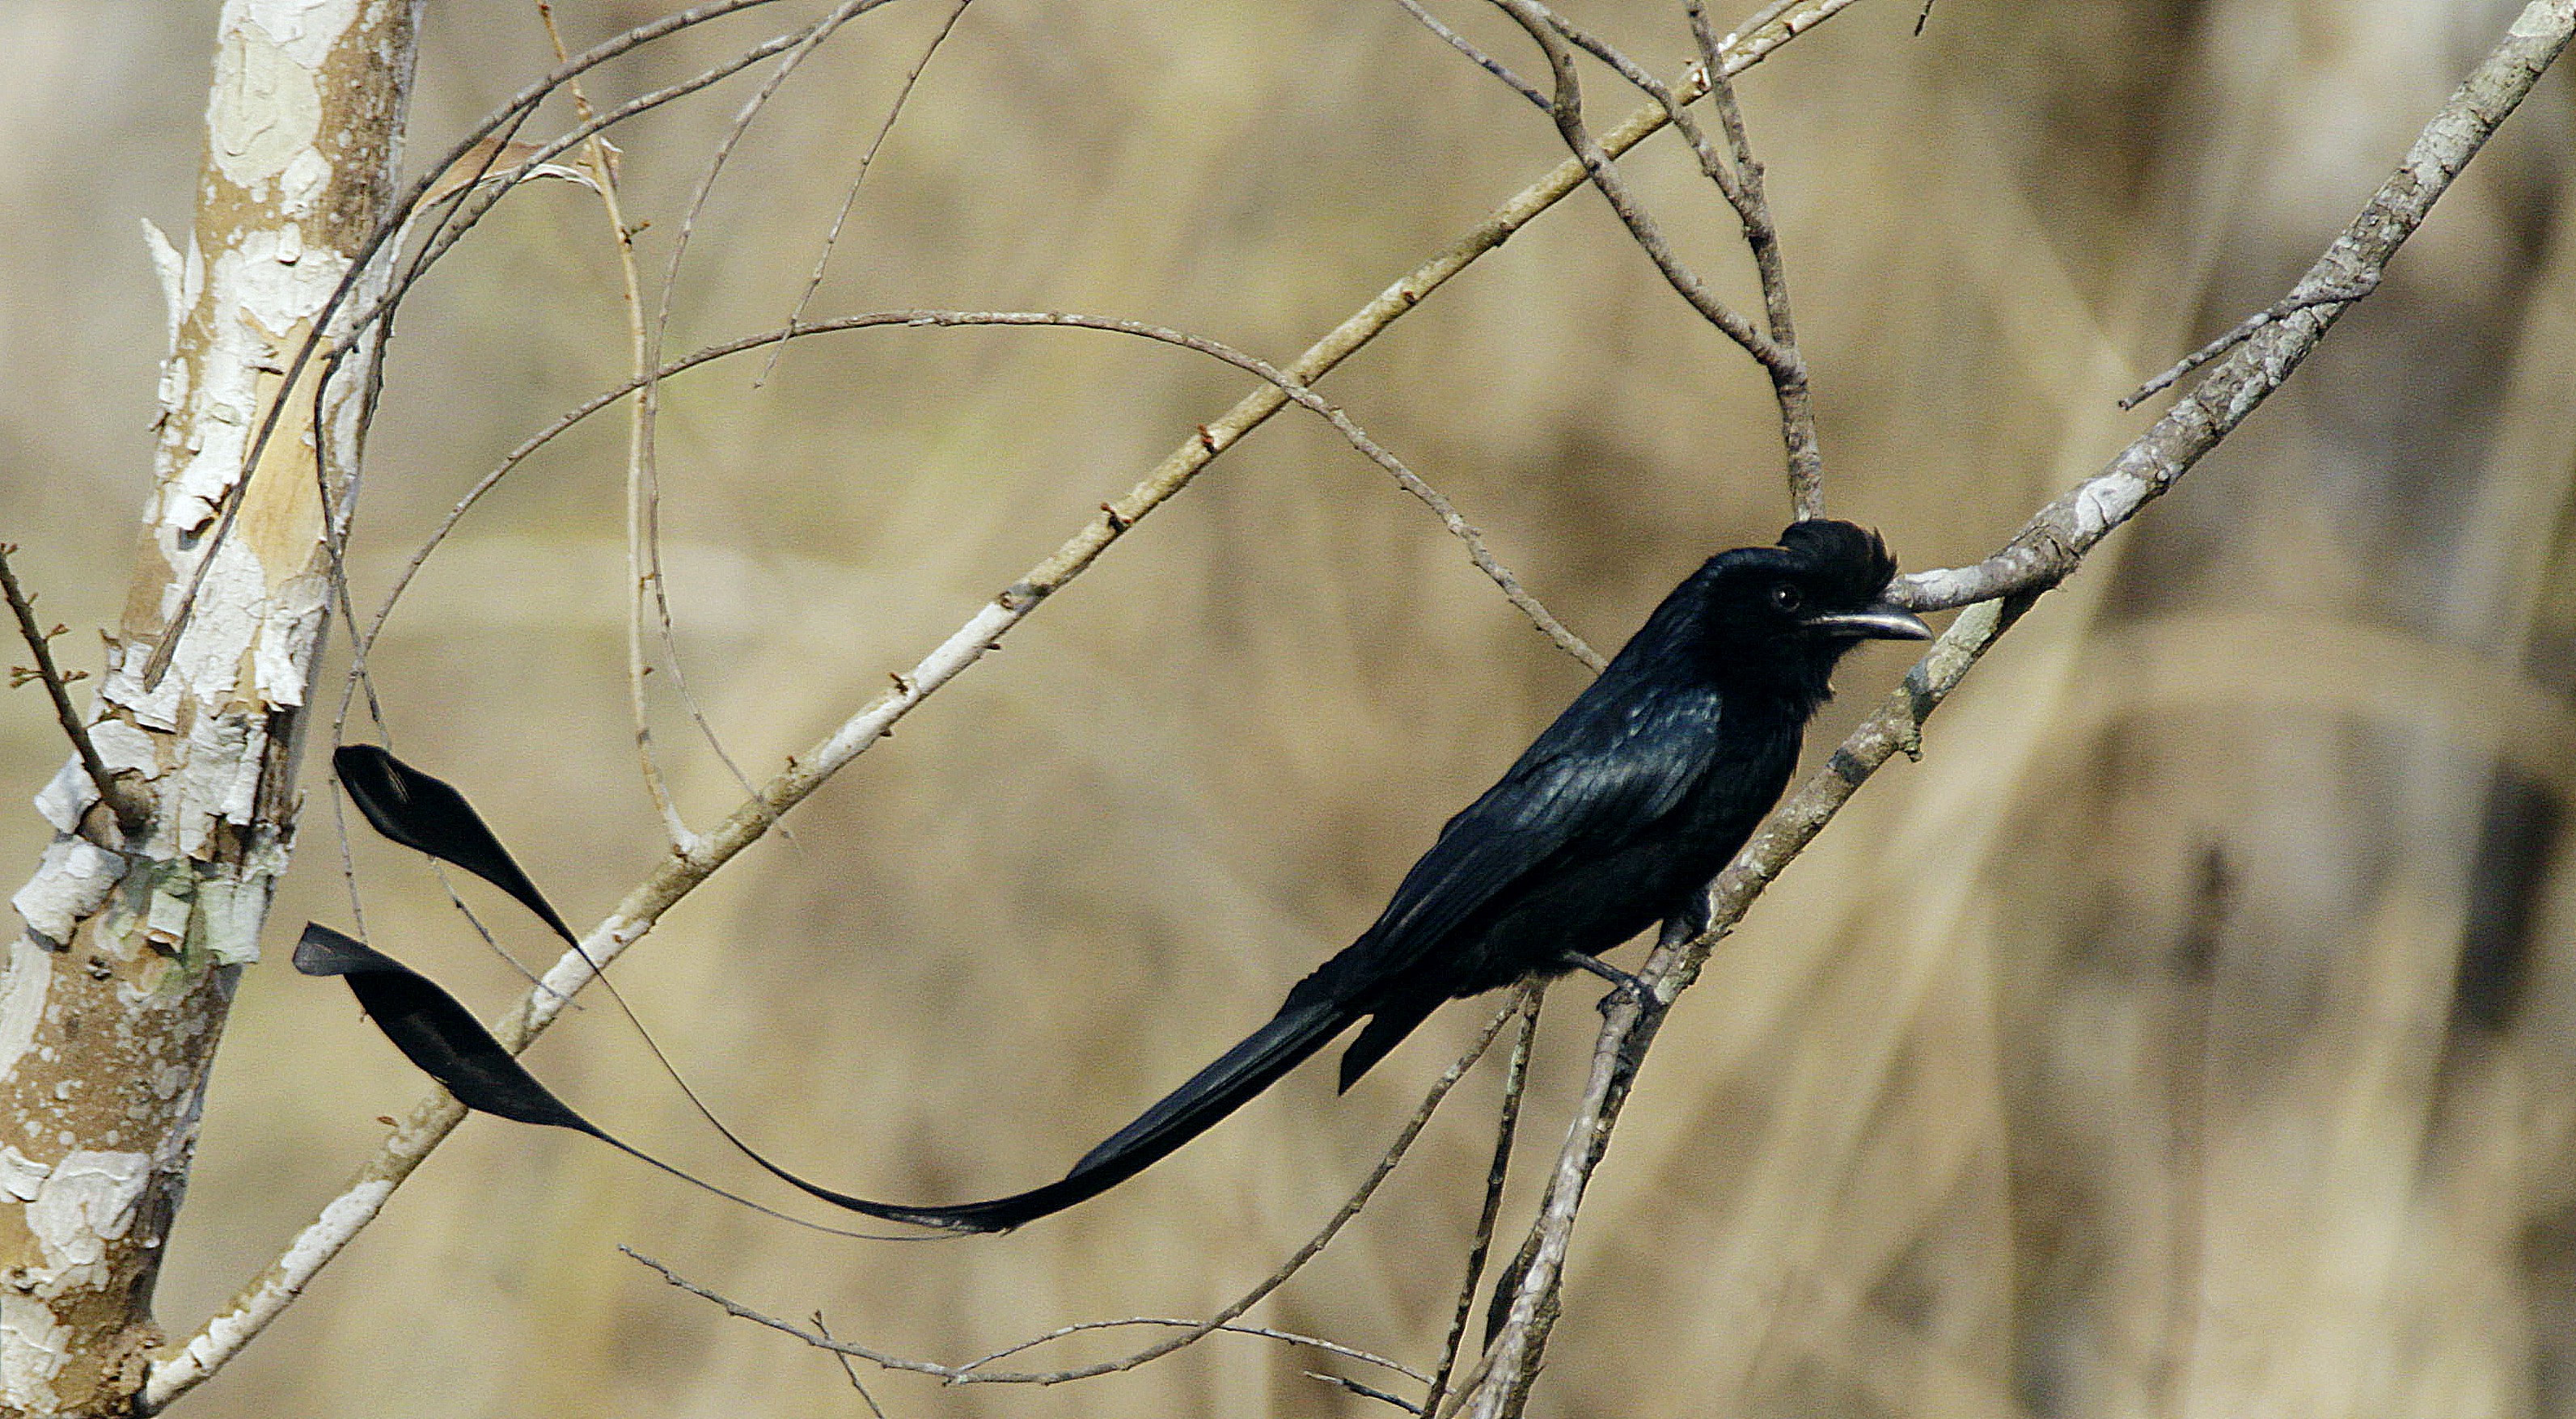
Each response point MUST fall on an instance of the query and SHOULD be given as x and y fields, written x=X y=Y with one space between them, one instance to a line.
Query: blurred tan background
x=2189 y=1034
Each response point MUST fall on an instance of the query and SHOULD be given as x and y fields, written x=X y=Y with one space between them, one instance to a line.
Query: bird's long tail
x=1301 y=1027
x=445 y=1039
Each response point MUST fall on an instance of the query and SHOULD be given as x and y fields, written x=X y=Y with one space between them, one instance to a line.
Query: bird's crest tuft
x=1854 y=558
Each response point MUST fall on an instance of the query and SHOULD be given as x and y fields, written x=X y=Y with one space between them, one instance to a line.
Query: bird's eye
x=1787 y=598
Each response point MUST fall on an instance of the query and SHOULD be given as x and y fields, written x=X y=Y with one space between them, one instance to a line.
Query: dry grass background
x=2115 y=1060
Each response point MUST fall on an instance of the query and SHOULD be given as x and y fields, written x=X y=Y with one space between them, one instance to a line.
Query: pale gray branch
x=2054 y=543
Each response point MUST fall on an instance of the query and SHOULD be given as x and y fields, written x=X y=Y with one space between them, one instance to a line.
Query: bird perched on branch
x=1617 y=817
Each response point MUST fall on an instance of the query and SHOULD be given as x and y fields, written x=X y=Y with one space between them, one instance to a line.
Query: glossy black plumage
x=1615 y=818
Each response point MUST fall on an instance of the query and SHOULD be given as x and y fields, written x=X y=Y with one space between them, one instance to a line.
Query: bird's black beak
x=1879 y=621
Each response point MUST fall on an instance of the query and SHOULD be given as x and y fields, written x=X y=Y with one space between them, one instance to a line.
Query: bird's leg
x=1688 y=923
x=1623 y=983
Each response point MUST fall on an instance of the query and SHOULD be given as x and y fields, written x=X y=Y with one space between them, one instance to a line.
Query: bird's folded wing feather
x=1591 y=785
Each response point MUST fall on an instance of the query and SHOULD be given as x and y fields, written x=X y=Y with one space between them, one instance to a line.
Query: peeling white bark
x=117 y=991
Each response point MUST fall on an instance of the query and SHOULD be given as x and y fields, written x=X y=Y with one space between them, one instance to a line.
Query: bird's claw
x=1623 y=986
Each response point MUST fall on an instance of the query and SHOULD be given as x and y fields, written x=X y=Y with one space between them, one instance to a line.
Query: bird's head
x=1783 y=615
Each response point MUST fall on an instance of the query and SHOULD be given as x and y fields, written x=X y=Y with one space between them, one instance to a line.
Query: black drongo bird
x=1616 y=818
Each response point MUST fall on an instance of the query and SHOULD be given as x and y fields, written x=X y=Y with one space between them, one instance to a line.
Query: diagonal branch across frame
x=2048 y=549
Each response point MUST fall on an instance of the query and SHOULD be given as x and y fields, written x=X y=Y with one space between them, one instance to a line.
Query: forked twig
x=1741 y=186
x=2282 y=309
x=1565 y=107
x=129 y=813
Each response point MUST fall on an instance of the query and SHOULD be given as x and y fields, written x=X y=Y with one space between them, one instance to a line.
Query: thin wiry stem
x=640 y=356
x=129 y=813
x=974 y=1372
x=1480 y=58
x=1114 y=517
x=1350 y=1386
x=1333 y=1347
x=645 y=580
x=1741 y=186
x=1762 y=236
x=850 y=199
x=1506 y=1128
x=1565 y=107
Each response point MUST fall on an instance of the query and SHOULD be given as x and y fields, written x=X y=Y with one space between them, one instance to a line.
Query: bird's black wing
x=1607 y=772
x=1609 y=769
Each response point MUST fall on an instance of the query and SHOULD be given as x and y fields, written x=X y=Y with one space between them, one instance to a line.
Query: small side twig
x=849 y=1369
x=2342 y=294
x=1224 y=1320
x=850 y=199
x=1515 y=1084
x=1259 y=1332
x=1363 y=1391
x=129 y=813
x=1480 y=58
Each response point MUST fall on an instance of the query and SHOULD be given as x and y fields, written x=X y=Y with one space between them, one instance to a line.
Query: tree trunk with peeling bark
x=115 y=993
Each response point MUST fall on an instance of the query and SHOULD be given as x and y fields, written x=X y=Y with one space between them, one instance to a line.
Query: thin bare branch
x=1116 y=517
x=643 y=468
x=129 y=813
x=1480 y=58
x=1762 y=236
x=2243 y=330
x=849 y=1369
x=640 y=356
x=1565 y=107
x=1506 y=1128
x=1741 y=186
x=1363 y=1391
x=1333 y=1347
x=850 y=199
x=973 y=1372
